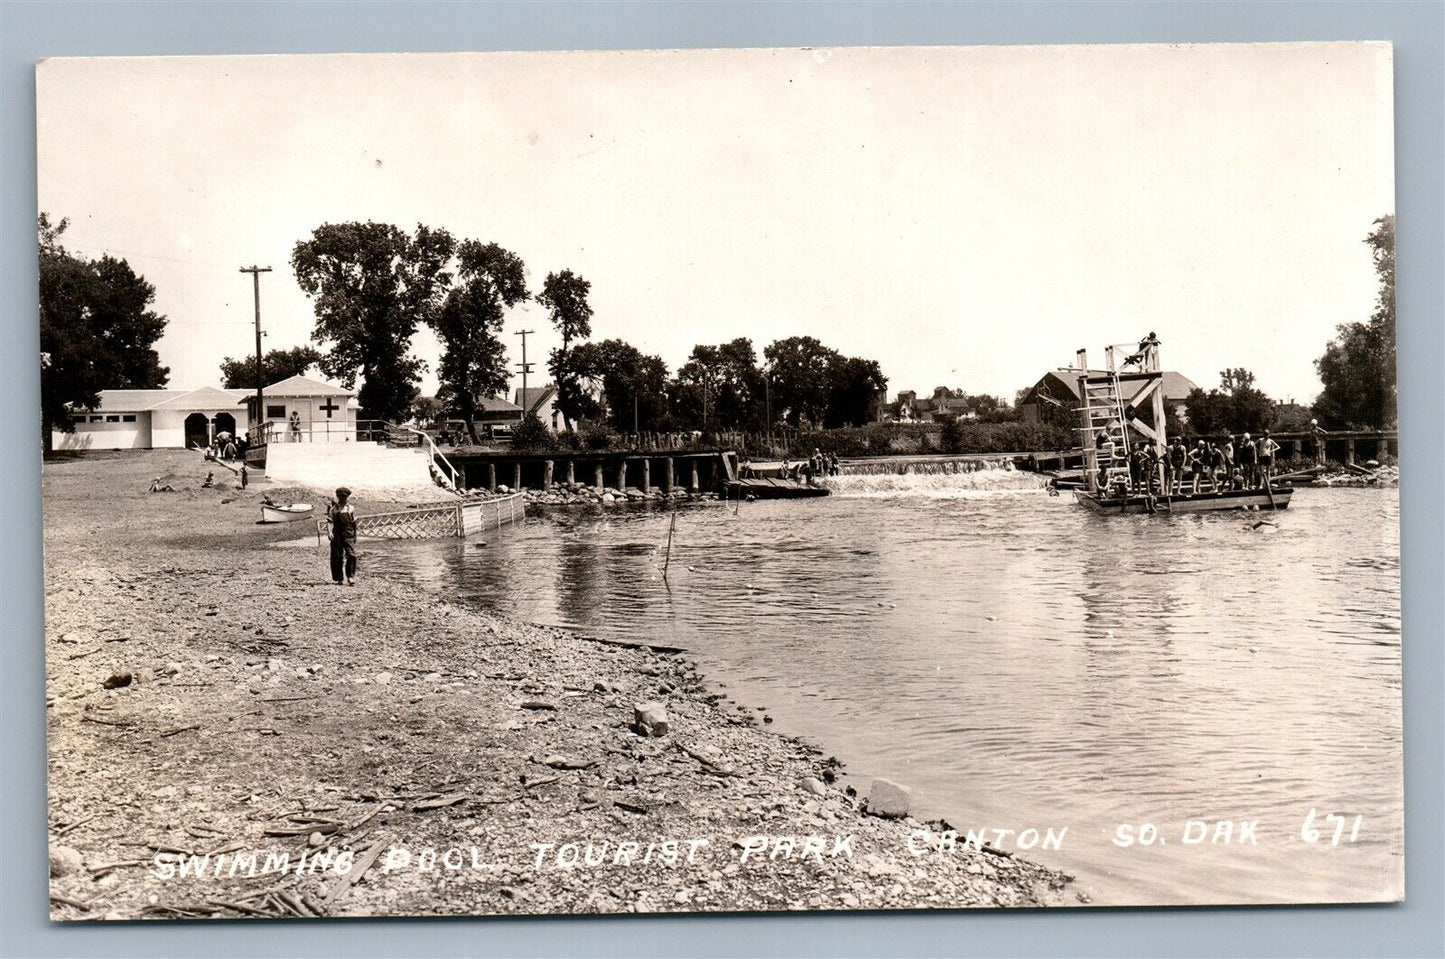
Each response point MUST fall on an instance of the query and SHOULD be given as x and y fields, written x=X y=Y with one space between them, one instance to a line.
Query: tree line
x=373 y=285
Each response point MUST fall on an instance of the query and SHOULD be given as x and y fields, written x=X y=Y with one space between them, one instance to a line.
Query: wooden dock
x=768 y=487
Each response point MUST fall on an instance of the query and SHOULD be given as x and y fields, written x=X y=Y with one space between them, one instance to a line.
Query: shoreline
x=470 y=758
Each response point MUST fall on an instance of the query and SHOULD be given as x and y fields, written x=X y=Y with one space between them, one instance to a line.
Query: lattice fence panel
x=411 y=524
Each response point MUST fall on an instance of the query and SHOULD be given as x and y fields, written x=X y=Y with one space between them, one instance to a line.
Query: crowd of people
x=1203 y=466
x=229 y=448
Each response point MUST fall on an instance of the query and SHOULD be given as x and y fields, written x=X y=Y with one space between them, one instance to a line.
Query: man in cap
x=1318 y=433
x=343 y=538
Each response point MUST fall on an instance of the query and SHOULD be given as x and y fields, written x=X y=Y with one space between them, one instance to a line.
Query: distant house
x=541 y=400
x=302 y=409
x=152 y=419
x=943 y=406
x=1059 y=390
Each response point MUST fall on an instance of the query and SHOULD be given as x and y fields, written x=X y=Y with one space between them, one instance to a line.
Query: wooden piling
x=597 y=476
x=667 y=475
x=517 y=475
x=492 y=477
x=571 y=473
x=692 y=464
x=1350 y=451
x=646 y=475
x=547 y=469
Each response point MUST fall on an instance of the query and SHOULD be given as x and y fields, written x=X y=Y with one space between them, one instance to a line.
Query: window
x=276 y=412
x=128 y=418
x=112 y=419
x=97 y=419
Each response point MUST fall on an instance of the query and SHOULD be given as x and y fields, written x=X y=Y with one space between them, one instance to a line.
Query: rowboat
x=290 y=513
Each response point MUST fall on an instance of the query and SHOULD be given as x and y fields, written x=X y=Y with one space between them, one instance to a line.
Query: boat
x=1122 y=407
x=290 y=513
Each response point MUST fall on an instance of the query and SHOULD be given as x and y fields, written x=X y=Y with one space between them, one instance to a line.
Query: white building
x=302 y=410
x=152 y=419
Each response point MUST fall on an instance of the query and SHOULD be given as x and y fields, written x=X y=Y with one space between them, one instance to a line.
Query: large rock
x=65 y=861
x=649 y=719
x=888 y=799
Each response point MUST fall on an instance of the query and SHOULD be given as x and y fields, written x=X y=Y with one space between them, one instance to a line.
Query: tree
x=720 y=387
x=97 y=331
x=276 y=365
x=634 y=384
x=1358 y=366
x=1233 y=408
x=855 y=391
x=372 y=285
x=469 y=326
x=565 y=297
x=799 y=374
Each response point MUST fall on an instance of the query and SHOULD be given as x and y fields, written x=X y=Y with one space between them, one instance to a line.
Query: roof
x=533 y=397
x=495 y=404
x=1176 y=385
x=139 y=401
x=205 y=398
x=299 y=385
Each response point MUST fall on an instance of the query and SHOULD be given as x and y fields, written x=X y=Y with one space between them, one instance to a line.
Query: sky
x=968 y=217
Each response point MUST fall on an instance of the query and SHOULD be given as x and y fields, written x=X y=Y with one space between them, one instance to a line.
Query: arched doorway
x=224 y=423
x=198 y=430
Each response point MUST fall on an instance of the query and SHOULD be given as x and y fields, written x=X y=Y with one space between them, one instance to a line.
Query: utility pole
x=256 y=272
x=526 y=368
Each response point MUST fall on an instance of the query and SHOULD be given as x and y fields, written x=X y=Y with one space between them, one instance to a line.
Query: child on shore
x=343 y=538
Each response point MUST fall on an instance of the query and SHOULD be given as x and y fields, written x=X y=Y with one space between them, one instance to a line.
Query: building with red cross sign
x=300 y=409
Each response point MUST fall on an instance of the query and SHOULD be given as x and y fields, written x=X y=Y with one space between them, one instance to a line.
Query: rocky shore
x=232 y=735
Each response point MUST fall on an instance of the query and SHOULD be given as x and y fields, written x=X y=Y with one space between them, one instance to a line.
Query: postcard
x=720 y=480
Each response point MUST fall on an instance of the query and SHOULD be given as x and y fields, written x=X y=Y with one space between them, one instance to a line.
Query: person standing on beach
x=343 y=538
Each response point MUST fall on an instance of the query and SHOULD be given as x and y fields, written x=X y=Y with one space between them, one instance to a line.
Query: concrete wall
x=105 y=434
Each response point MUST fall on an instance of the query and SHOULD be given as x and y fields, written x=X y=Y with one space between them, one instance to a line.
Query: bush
x=532 y=435
x=951 y=439
x=597 y=436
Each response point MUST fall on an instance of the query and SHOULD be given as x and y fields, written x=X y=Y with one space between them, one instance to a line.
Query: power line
x=526 y=368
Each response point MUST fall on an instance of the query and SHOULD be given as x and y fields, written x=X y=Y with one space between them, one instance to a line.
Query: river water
x=1023 y=663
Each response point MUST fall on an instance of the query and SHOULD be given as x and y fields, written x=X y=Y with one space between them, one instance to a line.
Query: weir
x=927 y=465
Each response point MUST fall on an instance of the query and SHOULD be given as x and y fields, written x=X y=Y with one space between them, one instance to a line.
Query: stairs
x=355 y=465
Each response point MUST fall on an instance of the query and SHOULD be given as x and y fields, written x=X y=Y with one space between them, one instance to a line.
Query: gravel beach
x=233 y=735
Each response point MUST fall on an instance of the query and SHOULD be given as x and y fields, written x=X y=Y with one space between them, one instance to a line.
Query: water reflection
x=1020 y=661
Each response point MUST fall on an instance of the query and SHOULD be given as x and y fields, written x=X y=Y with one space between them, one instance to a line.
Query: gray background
x=29 y=31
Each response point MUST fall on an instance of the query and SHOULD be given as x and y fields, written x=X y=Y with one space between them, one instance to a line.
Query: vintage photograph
x=733 y=480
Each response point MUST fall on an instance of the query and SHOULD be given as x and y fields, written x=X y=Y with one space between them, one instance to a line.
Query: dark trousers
x=343 y=559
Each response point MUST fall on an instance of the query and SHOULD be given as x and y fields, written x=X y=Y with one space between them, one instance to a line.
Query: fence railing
x=460 y=518
x=410 y=436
